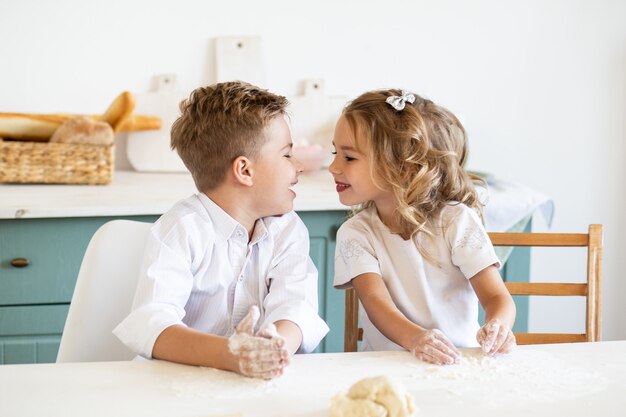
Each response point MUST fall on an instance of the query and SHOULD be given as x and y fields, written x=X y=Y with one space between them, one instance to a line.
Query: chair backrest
x=591 y=289
x=104 y=293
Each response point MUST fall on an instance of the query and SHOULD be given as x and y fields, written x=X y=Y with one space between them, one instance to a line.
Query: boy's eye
x=334 y=152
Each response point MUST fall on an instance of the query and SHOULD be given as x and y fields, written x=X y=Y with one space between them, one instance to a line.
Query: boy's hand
x=261 y=356
x=434 y=347
x=495 y=337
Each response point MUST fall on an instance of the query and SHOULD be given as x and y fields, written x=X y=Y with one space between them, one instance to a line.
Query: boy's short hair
x=219 y=123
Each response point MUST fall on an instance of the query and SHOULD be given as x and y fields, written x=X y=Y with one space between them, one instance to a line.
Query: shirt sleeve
x=354 y=255
x=163 y=289
x=470 y=245
x=293 y=286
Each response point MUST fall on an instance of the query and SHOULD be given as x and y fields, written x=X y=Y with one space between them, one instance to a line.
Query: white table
x=587 y=379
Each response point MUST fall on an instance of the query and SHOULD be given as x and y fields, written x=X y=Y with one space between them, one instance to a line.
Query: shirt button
x=239 y=233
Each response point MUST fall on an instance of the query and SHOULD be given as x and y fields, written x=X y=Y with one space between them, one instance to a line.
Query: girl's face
x=351 y=169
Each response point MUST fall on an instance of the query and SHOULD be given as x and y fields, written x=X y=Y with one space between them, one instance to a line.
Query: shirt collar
x=227 y=227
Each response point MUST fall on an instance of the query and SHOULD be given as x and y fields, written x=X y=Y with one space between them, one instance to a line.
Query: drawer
x=31 y=334
x=33 y=320
x=54 y=249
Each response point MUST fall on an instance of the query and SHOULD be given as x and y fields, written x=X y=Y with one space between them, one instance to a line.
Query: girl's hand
x=495 y=337
x=434 y=347
x=259 y=356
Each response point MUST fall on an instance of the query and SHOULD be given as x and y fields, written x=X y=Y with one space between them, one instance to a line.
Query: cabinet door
x=31 y=334
x=34 y=300
x=322 y=232
x=54 y=249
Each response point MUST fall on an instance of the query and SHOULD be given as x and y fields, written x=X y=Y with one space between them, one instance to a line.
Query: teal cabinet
x=322 y=231
x=34 y=300
x=31 y=333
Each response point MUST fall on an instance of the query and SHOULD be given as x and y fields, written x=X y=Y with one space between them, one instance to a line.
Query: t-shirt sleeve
x=471 y=248
x=354 y=255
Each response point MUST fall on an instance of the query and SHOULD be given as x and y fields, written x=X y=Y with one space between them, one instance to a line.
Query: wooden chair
x=591 y=289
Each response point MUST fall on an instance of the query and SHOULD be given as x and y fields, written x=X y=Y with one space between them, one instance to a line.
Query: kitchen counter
x=135 y=194
x=584 y=379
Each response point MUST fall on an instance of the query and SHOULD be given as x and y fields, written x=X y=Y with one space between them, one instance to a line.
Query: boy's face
x=276 y=171
x=351 y=169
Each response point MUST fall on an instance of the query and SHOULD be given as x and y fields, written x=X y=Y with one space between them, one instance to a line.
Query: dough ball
x=369 y=396
x=85 y=130
x=342 y=406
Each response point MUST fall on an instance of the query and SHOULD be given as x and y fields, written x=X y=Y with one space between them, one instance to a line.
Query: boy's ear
x=242 y=170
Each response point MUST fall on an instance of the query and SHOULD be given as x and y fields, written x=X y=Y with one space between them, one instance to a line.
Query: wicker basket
x=60 y=163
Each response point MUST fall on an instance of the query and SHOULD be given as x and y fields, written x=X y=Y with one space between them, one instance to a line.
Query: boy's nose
x=299 y=166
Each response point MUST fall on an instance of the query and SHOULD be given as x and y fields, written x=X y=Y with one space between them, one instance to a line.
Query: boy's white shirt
x=434 y=297
x=200 y=271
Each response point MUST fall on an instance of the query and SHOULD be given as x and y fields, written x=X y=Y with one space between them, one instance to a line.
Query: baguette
x=40 y=127
x=119 y=111
x=141 y=122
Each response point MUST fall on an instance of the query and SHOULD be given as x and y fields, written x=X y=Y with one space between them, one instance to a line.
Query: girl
x=416 y=251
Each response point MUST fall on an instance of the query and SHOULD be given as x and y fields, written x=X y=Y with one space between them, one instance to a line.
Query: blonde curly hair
x=417 y=153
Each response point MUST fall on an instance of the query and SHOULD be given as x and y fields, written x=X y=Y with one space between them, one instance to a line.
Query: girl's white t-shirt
x=434 y=295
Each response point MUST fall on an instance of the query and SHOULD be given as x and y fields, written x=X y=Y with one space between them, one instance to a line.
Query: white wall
x=540 y=85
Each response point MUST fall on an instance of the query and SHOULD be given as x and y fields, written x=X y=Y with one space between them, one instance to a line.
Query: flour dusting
x=507 y=378
x=217 y=384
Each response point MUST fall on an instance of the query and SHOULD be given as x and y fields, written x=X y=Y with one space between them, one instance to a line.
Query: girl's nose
x=332 y=168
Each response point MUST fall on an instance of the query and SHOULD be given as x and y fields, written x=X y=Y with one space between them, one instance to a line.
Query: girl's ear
x=242 y=171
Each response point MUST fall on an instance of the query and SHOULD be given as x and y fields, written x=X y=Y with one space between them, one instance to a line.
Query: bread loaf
x=84 y=130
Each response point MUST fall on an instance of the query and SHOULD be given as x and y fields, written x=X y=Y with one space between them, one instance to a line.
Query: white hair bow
x=398 y=102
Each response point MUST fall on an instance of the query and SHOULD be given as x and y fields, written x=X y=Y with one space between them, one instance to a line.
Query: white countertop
x=584 y=379
x=135 y=193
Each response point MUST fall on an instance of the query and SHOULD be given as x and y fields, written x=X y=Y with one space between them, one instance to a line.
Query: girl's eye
x=334 y=152
x=288 y=156
x=349 y=159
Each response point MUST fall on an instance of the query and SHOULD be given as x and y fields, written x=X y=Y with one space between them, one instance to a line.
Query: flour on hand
x=374 y=397
x=259 y=356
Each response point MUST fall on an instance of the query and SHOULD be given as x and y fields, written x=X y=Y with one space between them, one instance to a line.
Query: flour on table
x=374 y=397
x=506 y=378
x=217 y=384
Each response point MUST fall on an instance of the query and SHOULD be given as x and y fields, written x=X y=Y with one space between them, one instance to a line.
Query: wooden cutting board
x=149 y=151
x=314 y=114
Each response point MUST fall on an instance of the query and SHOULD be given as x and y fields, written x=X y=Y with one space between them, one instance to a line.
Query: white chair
x=104 y=293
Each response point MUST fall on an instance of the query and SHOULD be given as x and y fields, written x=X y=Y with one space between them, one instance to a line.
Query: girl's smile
x=340 y=186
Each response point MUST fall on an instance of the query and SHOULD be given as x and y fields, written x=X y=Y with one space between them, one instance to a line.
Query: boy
x=233 y=254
